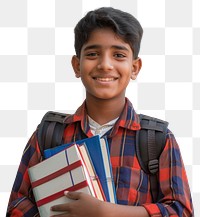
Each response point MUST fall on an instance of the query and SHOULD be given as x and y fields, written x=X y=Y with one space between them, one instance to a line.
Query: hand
x=83 y=205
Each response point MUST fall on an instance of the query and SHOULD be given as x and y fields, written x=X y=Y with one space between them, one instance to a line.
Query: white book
x=65 y=171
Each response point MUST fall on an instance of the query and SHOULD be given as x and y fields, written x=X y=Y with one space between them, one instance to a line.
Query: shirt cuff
x=152 y=209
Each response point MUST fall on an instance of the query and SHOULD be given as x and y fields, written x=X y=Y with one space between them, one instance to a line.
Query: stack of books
x=82 y=166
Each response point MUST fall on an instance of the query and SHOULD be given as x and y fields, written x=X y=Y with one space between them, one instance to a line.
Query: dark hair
x=123 y=24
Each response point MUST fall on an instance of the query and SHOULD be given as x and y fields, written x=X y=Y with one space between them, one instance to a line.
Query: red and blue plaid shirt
x=132 y=184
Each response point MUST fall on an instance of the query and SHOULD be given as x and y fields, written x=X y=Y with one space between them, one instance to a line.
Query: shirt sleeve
x=174 y=198
x=22 y=202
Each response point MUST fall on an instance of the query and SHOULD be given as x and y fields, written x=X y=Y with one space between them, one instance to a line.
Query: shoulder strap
x=50 y=130
x=150 y=142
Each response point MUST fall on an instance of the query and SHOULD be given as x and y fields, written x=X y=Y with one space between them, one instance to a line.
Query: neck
x=102 y=111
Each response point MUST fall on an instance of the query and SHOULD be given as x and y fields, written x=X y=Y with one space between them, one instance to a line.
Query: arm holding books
x=85 y=205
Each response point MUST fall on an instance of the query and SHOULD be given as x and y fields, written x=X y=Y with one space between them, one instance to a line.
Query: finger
x=72 y=195
x=61 y=215
x=60 y=207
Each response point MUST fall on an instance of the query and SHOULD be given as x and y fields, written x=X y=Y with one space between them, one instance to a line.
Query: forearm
x=22 y=206
x=21 y=200
x=84 y=205
x=147 y=210
x=116 y=210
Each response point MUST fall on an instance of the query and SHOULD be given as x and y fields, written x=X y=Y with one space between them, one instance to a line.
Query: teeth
x=105 y=79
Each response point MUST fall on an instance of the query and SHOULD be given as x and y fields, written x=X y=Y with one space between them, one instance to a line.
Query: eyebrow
x=96 y=46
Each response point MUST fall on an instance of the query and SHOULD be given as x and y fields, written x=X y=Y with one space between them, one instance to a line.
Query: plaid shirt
x=132 y=184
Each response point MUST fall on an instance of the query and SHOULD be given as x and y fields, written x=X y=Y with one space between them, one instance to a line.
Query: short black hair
x=126 y=26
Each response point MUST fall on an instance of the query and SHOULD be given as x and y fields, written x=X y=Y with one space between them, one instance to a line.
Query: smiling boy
x=107 y=43
x=105 y=66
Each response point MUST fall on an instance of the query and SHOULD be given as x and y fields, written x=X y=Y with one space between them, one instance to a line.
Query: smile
x=105 y=79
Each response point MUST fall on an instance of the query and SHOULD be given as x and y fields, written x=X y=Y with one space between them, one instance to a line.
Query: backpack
x=150 y=142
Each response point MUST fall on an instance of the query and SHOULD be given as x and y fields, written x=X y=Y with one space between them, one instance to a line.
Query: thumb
x=72 y=195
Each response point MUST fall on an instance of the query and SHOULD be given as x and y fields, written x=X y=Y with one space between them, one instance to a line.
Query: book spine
x=92 y=173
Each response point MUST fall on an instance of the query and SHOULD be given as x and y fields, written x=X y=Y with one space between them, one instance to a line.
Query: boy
x=107 y=43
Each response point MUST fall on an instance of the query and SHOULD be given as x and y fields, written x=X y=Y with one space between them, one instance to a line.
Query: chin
x=106 y=97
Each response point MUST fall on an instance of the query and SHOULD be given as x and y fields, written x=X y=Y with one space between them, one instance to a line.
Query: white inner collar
x=98 y=129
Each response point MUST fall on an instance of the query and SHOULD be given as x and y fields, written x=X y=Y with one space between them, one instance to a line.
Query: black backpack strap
x=50 y=130
x=150 y=142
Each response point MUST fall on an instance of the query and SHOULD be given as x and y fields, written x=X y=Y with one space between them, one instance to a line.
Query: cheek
x=125 y=70
x=87 y=65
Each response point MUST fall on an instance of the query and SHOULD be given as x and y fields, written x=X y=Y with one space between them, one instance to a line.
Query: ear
x=137 y=65
x=76 y=66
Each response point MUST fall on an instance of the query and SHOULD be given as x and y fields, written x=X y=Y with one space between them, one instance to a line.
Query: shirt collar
x=128 y=118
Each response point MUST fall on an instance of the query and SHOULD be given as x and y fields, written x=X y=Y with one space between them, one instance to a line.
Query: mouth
x=102 y=79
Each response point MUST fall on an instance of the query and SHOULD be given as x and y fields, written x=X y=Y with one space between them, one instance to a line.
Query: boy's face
x=106 y=65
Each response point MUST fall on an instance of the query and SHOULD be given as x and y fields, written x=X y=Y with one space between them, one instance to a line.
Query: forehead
x=105 y=37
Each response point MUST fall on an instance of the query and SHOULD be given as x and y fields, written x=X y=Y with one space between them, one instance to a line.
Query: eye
x=92 y=54
x=119 y=55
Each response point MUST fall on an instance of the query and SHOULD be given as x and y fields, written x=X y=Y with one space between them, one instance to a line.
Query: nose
x=105 y=64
